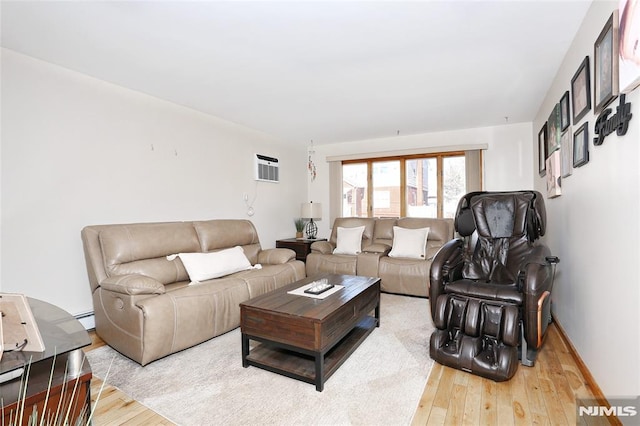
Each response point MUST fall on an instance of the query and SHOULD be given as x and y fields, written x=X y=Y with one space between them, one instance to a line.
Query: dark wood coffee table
x=306 y=338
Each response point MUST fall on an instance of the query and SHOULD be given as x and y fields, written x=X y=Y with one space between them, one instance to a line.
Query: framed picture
x=542 y=150
x=581 y=145
x=565 y=120
x=553 y=175
x=605 y=54
x=553 y=130
x=566 y=153
x=629 y=58
x=581 y=91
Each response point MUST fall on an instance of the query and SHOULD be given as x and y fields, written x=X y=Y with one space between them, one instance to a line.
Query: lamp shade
x=311 y=211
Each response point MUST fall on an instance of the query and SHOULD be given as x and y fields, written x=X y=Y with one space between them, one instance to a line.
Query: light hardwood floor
x=113 y=407
x=541 y=395
x=544 y=394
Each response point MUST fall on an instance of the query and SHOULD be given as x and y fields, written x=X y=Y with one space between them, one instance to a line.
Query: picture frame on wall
x=581 y=91
x=629 y=57
x=566 y=153
x=542 y=150
x=553 y=130
x=565 y=119
x=553 y=175
x=605 y=57
x=581 y=146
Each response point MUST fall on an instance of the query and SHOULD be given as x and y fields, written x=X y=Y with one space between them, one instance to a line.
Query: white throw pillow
x=349 y=240
x=410 y=243
x=206 y=266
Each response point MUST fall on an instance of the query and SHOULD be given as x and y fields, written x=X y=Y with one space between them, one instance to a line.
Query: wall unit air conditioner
x=267 y=169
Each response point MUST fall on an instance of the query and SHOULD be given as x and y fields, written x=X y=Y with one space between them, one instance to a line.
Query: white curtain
x=473 y=169
x=335 y=190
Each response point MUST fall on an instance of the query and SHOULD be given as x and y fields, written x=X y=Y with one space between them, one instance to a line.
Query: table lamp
x=311 y=211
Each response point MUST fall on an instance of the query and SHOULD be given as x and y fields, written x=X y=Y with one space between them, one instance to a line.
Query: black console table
x=302 y=247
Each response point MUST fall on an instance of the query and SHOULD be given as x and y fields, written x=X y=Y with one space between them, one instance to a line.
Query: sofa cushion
x=349 y=240
x=352 y=222
x=409 y=243
x=383 y=230
x=141 y=249
x=206 y=266
x=219 y=234
x=440 y=231
x=404 y=276
x=331 y=263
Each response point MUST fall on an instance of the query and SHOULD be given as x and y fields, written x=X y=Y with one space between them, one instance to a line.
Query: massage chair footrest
x=476 y=336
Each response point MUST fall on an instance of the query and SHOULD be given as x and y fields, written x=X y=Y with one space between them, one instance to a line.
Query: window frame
x=439 y=156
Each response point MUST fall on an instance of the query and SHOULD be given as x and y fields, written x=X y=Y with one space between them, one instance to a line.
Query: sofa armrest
x=132 y=284
x=379 y=248
x=322 y=247
x=276 y=256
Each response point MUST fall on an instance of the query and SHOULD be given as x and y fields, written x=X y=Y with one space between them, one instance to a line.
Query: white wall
x=593 y=228
x=507 y=161
x=78 y=151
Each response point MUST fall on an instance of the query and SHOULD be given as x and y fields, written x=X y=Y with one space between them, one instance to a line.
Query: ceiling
x=327 y=71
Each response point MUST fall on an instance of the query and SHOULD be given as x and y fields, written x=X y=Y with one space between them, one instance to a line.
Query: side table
x=302 y=246
x=63 y=337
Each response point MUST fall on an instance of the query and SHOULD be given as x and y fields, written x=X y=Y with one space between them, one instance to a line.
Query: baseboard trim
x=588 y=377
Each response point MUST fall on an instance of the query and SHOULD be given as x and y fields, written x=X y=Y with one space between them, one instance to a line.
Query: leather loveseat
x=401 y=275
x=146 y=306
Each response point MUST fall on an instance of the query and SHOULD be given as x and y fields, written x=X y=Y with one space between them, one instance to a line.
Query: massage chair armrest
x=132 y=284
x=276 y=256
x=537 y=283
x=322 y=247
x=536 y=272
x=445 y=267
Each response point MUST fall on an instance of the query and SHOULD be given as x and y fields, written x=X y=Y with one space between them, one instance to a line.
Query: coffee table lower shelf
x=307 y=366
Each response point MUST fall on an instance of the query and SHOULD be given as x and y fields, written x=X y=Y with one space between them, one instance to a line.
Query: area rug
x=379 y=384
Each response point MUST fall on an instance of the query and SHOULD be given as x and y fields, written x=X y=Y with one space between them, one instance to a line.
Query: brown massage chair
x=490 y=292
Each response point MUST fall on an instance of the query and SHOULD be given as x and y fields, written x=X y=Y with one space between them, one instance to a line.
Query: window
x=422 y=187
x=453 y=183
x=385 y=181
x=411 y=186
x=354 y=190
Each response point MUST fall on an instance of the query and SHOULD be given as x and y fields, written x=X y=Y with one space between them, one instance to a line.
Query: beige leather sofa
x=398 y=275
x=144 y=304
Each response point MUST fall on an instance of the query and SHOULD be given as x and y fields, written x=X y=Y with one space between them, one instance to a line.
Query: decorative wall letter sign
x=619 y=122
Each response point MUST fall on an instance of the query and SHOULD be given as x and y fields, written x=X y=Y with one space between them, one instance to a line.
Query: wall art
x=581 y=91
x=581 y=145
x=554 y=179
x=542 y=150
x=605 y=54
x=565 y=119
x=628 y=46
x=618 y=122
x=553 y=130
x=566 y=153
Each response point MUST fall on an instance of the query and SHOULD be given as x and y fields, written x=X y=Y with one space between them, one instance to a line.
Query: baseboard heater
x=87 y=319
